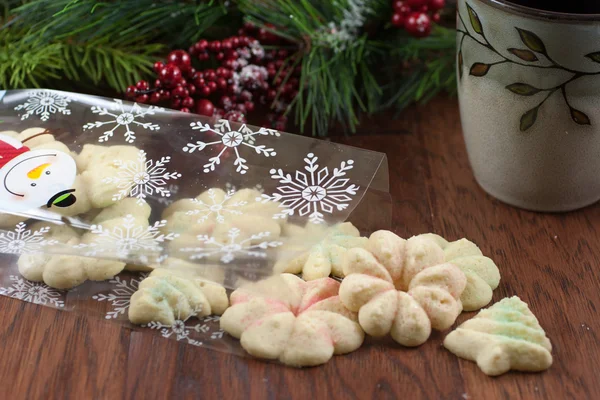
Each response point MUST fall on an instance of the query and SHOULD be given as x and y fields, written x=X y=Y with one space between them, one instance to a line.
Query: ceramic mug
x=529 y=92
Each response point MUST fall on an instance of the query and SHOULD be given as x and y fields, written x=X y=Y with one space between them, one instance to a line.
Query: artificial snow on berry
x=418 y=24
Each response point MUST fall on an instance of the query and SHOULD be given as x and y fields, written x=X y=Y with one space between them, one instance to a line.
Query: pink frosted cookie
x=402 y=287
x=296 y=322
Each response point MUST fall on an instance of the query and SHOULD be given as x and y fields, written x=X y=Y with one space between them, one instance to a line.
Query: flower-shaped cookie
x=325 y=257
x=402 y=287
x=482 y=273
x=503 y=337
x=167 y=295
x=296 y=322
x=67 y=271
x=215 y=213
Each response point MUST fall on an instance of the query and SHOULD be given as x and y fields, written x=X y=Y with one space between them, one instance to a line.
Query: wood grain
x=552 y=261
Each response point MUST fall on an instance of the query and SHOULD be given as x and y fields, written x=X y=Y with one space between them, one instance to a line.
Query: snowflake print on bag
x=33 y=292
x=44 y=103
x=167 y=201
x=218 y=209
x=228 y=139
x=316 y=192
x=120 y=296
x=123 y=117
x=127 y=239
x=180 y=329
x=232 y=188
x=232 y=248
x=142 y=178
x=23 y=240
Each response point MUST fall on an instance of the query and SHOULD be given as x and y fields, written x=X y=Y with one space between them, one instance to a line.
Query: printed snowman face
x=35 y=178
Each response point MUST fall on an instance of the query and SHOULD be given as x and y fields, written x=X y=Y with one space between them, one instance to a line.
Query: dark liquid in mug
x=565 y=6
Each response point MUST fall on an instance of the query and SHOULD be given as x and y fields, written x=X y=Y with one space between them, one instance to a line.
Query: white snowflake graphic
x=180 y=329
x=228 y=139
x=44 y=103
x=123 y=117
x=232 y=248
x=230 y=187
x=172 y=189
x=142 y=178
x=32 y=292
x=217 y=208
x=23 y=240
x=120 y=296
x=316 y=192
x=128 y=239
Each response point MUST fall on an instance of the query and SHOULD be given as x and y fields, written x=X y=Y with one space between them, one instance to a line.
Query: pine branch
x=175 y=23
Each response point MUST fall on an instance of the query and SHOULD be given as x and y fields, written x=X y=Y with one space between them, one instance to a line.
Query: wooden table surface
x=552 y=261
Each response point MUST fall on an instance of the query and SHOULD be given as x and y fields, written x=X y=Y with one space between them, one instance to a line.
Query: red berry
x=222 y=72
x=437 y=4
x=244 y=40
x=180 y=91
x=212 y=85
x=131 y=91
x=182 y=82
x=436 y=17
x=220 y=56
x=398 y=20
x=249 y=106
x=142 y=98
x=199 y=82
x=192 y=51
x=418 y=24
x=210 y=75
x=229 y=63
x=175 y=102
x=424 y=9
x=226 y=44
x=215 y=46
x=222 y=83
x=155 y=97
x=158 y=83
x=184 y=109
x=158 y=66
x=232 y=54
x=201 y=45
x=278 y=63
x=235 y=42
x=164 y=94
x=205 y=107
x=246 y=95
x=417 y=3
x=205 y=91
x=203 y=56
x=235 y=116
x=187 y=102
x=282 y=53
x=271 y=94
x=225 y=102
x=170 y=74
x=181 y=59
x=398 y=5
x=191 y=89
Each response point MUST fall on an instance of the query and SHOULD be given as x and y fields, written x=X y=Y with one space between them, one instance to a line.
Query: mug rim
x=541 y=14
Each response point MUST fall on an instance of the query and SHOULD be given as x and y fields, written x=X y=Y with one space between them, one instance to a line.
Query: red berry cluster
x=416 y=16
x=246 y=74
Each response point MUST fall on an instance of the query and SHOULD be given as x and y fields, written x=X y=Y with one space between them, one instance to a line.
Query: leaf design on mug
x=479 y=69
x=475 y=21
x=532 y=41
x=528 y=119
x=460 y=64
x=523 y=54
x=580 y=117
x=594 y=56
x=523 y=89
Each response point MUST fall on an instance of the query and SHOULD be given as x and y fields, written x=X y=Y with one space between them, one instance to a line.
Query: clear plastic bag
x=112 y=190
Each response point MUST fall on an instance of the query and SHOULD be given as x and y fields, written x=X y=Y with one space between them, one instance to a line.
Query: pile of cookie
x=302 y=316
x=316 y=303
